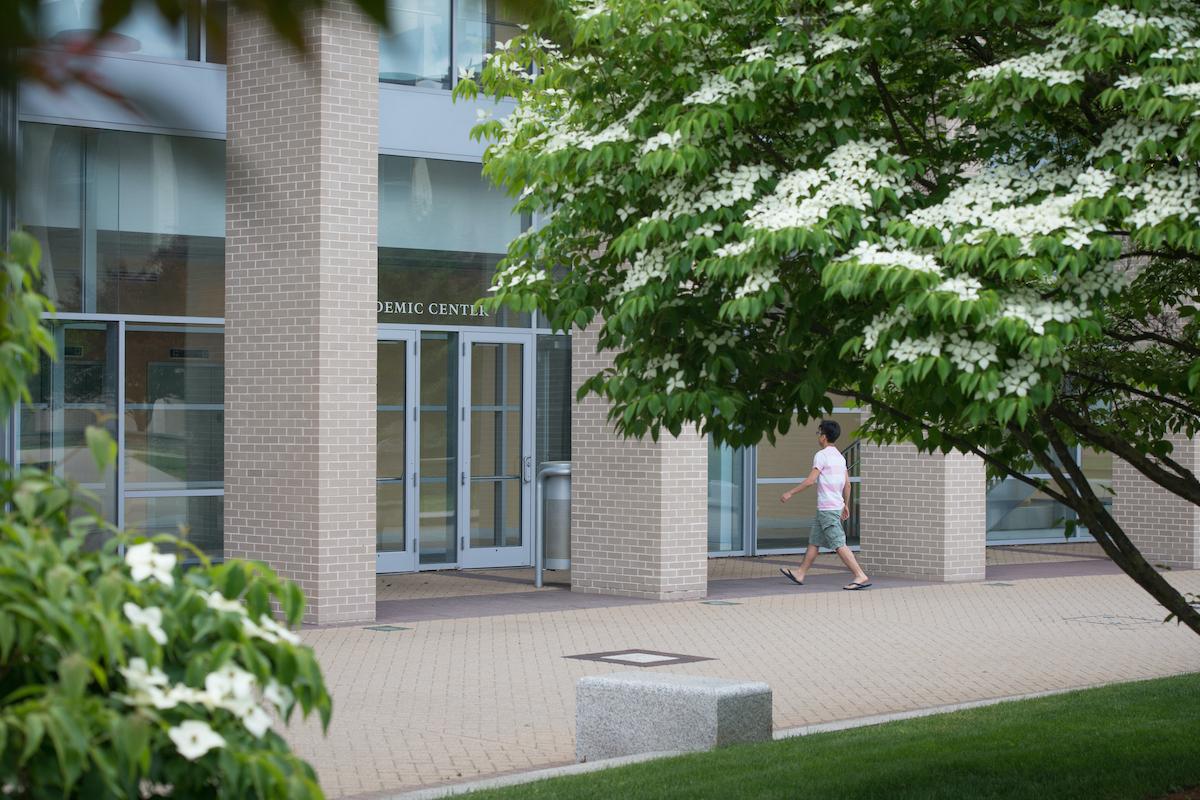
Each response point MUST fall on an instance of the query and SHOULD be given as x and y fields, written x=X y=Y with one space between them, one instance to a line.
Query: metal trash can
x=556 y=508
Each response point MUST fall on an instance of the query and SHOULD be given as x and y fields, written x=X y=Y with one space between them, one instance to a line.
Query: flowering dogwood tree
x=122 y=675
x=978 y=218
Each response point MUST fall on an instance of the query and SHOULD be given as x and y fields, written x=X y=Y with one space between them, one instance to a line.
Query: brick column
x=923 y=516
x=639 y=520
x=300 y=278
x=1164 y=526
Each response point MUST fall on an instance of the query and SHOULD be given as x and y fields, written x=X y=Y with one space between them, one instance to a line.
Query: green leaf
x=102 y=447
x=74 y=674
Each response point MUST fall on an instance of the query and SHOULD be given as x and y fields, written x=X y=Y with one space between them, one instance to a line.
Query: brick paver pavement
x=457 y=699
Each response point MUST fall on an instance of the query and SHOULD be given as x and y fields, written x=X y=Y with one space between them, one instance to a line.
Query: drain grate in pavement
x=999 y=583
x=1114 y=620
x=386 y=628
x=640 y=658
x=719 y=603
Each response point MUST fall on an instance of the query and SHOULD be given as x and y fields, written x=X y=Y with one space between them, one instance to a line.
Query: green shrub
x=122 y=675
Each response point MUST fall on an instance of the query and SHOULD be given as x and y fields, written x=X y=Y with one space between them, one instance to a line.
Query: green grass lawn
x=1138 y=740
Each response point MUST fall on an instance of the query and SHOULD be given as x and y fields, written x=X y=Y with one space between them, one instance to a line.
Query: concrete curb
x=879 y=719
x=516 y=779
x=519 y=778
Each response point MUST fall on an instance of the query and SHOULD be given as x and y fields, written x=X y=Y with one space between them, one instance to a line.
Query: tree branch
x=1114 y=541
x=1120 y=386
x=1183 y=484
x=1151 y=336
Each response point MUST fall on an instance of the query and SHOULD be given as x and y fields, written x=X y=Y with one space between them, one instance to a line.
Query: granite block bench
x=626 y=713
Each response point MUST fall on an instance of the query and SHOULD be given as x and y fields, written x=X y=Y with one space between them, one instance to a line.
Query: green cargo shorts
x=827 y=530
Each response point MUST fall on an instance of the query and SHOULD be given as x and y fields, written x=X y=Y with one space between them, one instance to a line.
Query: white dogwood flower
x=145 y=561
x=149 y=619
x=193 y=738
x=256 y=721
x=219 y=602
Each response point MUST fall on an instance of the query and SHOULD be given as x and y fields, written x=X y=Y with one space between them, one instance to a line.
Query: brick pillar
x=923 y=516
x=1164 y=526
x=300 y=279
x=639 y=521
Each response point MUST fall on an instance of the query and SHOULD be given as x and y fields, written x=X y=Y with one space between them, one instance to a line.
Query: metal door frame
x=490 y=557
x=406 y=560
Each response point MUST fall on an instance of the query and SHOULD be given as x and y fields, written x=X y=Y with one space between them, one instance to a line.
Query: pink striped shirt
x=832 y=479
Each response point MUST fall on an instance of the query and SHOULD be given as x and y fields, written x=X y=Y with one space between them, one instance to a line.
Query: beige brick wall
x=1164 y=526
x=923 y=516
x=639 y=523
x=300 y=281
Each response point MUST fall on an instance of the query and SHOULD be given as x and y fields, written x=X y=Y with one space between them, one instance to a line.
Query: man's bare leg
x=847 y=556
x=810 y=555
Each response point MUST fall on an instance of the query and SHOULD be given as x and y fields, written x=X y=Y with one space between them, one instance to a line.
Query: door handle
x=528 y=472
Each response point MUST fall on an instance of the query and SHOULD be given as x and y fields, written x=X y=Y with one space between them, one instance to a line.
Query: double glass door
x=455 y=450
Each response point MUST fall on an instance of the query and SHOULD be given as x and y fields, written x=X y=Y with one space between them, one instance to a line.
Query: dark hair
x=831 y=430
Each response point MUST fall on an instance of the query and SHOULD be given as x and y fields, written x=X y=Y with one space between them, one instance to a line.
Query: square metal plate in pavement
x=640 y=658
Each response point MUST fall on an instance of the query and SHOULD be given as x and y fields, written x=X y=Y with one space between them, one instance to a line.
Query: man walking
x=833 y=507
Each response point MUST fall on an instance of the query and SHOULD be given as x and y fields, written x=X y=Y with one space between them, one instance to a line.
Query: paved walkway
x=473 y=693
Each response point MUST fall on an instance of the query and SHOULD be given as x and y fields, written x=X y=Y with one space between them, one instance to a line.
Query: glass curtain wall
x=132 y=230
x=430 y=42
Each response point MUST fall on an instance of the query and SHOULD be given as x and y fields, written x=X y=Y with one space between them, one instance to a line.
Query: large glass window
x=1018 y=512
x=726 y=490
x=77 y=389
x=442 y=229
x=174 y=431
x=429 y=42
x=554 y=398
x=199 y=37
x=132 y=226
x=144 y=31
x=480 y=25
x=130 y=223
x=416 y=49
x=50 y=207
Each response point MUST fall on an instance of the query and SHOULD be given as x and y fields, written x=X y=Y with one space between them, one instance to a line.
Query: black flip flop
x=790 y=576
x=854 y=587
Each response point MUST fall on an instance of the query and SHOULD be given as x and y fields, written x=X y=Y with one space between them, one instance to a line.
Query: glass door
x=396 y=474
x=437 y=498
x=496 y=450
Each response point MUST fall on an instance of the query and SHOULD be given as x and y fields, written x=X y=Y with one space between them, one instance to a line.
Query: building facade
x=265 y=267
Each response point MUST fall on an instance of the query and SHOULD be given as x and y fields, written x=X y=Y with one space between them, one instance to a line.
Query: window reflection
x=415 y=51
x=50 y=207
x=174 y=412
x=143 y=32
x=726 y=488
x=75 y=390
x=479 y=26
x=129 y=223
x=442 y=229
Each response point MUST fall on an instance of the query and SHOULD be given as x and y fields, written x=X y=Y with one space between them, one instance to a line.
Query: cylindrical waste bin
x=556 y=506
